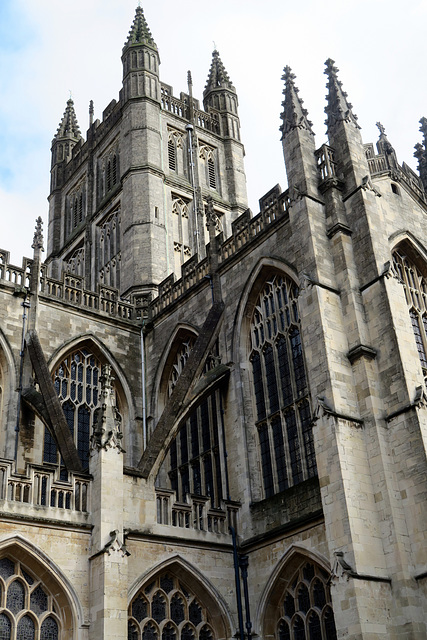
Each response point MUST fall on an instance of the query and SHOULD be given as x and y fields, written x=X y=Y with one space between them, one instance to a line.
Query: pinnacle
x=139 y=32
x=421 y=153
x=218 y=76
x=294 y=115
x=69 y=127
x=38 y=235
x=338 y=108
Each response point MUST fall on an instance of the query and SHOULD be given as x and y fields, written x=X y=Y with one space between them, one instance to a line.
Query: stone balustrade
x=196 y=513
x=40 y=487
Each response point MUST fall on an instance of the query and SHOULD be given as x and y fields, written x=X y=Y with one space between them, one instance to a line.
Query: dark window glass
x=139 y=608
x=158 y=608
x=303 y=598
x=25 y=629
x=7 y=568
x=184 y=445
x=258 y=386
x=204 y=417
x=177 y=609
x=15 y=597
x=166 y=583
x=38 y=600
x=270 y=372
x=267 y=473
x=168 y=632
x=284 y=371
x=314 y=628
x=149 y=632
x=284 y=633
x=298 y=360
x=49 y=629
x=50 y=451
x=294 y=448
x=132 y=631
x=187 y=633
x=279 y=453
x=299 y=631
x=194 y=430
x=195 y=613
x=5 y=627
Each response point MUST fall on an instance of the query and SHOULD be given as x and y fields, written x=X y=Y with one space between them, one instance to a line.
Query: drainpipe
x=144 y=409
x=232 y=531
x=26 y=305
x=244 y=563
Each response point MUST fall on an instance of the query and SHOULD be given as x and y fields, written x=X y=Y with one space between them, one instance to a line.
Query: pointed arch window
x=76 y=380
x=30 y=611
x=305 y=611
x=280 y=390
x=166 y=609
x=415 y=287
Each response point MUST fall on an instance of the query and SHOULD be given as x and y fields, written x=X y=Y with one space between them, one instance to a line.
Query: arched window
x=29 y=611
x=183 y=246
x=415 y=287
x=165 y=609
x=280 y=389
x=305 y=611
x=76 y=381
x=172 y=153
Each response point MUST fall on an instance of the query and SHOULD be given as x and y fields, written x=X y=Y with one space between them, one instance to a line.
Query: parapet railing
x=19 y=276
x=244 y=230
x=195 y=513
x=40 y=487
x=70 y=289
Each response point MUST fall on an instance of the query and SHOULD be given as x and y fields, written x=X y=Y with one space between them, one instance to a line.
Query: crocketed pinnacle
x=421 y=153
x=218 y=76
x=139 y=32
x=69 y=127
x=294 y=115
x=338 y=109
x=383 y=145
x=38 y=235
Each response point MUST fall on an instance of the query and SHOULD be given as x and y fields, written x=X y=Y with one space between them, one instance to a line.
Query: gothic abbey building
x=214 y=423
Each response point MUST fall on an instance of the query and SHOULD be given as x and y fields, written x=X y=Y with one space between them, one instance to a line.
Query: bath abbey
x=213 y=421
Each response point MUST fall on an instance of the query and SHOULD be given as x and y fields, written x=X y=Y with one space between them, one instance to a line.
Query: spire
x=421 y=153
x=294 y=116
x=338 y=108
x=139 y=32
x=218 y=76
x=69 y=127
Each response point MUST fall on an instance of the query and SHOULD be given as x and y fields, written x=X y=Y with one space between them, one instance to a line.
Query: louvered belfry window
x=280 y=389
x=166 y=610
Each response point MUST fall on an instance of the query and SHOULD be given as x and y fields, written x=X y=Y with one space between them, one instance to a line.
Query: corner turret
x=344 y=132
x=67 y=136
x=219 y=94
x=141 y=61
x=297 y=139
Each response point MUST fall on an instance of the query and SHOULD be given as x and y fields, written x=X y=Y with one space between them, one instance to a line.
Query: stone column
x=109 y=557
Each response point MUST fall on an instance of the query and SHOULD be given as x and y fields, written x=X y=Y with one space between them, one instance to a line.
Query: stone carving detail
x=107 y=433
x=114 y=545
x=38 y=235
x=368 y=186
x=340 y=568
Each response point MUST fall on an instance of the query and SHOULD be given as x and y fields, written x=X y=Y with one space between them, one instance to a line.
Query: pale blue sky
x=48 y=47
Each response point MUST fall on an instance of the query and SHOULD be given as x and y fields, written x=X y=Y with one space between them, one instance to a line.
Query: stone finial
x=69 y=127
x=421 y=153
x=385 y=147
x=212 y=218
x=338 y=109
x=91 y=112
x=107 y=432
x=218 y=76
x=139 y=32
x=294 y=116
x=38 y=235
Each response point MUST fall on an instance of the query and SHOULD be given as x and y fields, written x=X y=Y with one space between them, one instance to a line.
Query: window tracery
x=181 y=231
x=108 y=172
x=305 y=609
x=282 y=408
x=76 y=381
x=76 y=207
x=415 y=287
x=176 y=151
x=75 y=263
x=208 y=154
x=171 y=614
x=28 y=610
x=109 y=251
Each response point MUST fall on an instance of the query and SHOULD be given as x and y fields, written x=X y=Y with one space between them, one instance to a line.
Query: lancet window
x=280 y=388
x=76 y=208
x=415 y=287
x=76 y=380
x=195 y=462
x=305 y=608
x=176 y=157
x=166 y=609
x=181 y=231
x=27 y=610
x=75 y=263
x=208 y=155
x=109 y=253
x=108 y=172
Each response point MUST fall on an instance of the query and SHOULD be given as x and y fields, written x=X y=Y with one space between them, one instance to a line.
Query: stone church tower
x=213 y=424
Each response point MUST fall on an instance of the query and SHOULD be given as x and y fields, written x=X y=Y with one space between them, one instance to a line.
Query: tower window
x=211 y=173
x=171 y=154
x=280 y=388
